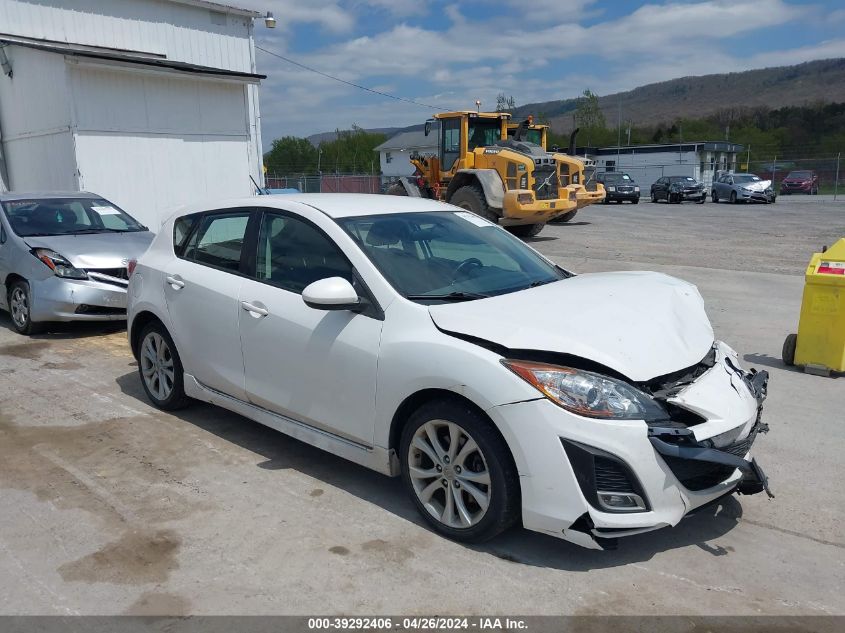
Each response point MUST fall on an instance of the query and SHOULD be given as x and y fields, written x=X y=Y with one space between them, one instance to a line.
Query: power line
x=349 y=83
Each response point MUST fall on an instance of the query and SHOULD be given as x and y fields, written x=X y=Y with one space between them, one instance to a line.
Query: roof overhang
x=219 y=6
x=128 y=57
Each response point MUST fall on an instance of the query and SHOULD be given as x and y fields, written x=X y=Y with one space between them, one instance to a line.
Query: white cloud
x=530 y=53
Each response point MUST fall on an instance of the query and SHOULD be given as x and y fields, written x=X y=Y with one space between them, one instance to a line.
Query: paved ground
x=109 y=506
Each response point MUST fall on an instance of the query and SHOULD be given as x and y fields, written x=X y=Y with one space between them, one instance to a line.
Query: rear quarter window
x=182 y=229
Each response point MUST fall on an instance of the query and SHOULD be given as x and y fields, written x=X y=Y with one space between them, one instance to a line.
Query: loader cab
x=535 y=133
x=462 y=132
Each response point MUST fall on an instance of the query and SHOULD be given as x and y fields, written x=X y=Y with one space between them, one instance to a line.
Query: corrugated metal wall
x=181 y=32
x=150 y=140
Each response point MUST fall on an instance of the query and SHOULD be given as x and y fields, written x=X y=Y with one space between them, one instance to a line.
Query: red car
x=803 y=181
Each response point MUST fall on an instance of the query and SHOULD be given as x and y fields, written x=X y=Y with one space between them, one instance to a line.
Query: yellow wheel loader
x=511 y=182
x=581 y=170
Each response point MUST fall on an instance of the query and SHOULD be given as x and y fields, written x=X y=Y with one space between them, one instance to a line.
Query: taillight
x=130 y=267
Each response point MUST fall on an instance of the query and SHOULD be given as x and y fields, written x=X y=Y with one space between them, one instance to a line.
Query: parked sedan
x=425 y=342
x=803 y=181
x=619 y=187
x=63 y=257
x=742 y=188
x=678 y=189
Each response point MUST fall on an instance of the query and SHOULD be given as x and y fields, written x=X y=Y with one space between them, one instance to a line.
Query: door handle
x=254 y=309
x=175 y=281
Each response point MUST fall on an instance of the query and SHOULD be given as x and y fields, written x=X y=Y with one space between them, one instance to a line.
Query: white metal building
x=150 y=103
x=395 y=152
x=646 y=163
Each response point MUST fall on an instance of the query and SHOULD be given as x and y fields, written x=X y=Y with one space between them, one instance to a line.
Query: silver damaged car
x=65 y=257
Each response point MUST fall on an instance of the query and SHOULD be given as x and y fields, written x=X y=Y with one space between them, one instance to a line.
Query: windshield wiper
x=541 y=282
x=99 y=230
x=452 y=296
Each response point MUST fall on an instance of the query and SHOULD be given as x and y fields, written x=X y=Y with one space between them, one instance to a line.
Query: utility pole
x=836 y=182
x=629 y=134
x=618 y=131
x=774 y=160
x=748 y=159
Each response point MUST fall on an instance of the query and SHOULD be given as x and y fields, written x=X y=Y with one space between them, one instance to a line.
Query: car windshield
x=803 y=175
x=689 y=179
x=617 y=178
x=68 y=216
x=444 y=256
x=746 y=178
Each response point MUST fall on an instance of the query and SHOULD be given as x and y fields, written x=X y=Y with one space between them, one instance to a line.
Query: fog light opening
x=621 y=502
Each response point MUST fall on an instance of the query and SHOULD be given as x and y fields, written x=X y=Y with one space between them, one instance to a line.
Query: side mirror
x=428 y=127
x=333 y=293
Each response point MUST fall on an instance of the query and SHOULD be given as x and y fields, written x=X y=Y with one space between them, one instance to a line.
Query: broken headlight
x=589 y=394
x=60 y=266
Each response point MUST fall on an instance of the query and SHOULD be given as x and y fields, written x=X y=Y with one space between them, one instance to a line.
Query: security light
x=269 y=20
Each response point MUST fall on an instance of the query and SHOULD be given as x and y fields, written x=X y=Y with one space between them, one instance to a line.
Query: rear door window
x=219 y=240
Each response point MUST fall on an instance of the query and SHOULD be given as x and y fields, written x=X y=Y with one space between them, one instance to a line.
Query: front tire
x=396 y=189
x=19 y=301
x=471 y=198
x=566 y=217
x=653 y=197
x=459 y=472
x=527 y=230
x=160 y=369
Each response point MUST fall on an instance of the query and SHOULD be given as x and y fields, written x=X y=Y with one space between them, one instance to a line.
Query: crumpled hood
x=96 y=250
x=760 y=185
x=640 y=324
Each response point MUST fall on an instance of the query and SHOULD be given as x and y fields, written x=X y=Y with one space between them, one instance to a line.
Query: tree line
x=352 y=151
x=796 y=132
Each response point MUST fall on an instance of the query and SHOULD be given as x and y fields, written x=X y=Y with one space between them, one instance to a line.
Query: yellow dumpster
x=819 y=345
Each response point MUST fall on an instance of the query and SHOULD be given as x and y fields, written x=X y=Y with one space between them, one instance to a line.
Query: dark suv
x=619 y=187
x=803 y=181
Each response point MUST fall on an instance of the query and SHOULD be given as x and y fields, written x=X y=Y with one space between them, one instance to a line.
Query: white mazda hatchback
x=422 y=341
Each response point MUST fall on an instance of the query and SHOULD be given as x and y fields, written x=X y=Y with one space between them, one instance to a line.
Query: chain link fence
x=326 y=183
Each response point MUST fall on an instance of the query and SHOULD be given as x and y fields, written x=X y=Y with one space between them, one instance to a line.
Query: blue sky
x=450 y=53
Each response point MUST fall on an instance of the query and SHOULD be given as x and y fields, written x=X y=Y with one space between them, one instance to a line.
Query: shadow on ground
x=519 y=546
x=67 y=330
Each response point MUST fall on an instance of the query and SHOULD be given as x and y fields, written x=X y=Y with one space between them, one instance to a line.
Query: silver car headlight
x=60 y=266
x=589 y=394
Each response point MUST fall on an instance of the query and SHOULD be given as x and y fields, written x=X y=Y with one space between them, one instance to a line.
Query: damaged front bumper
x=571 y=466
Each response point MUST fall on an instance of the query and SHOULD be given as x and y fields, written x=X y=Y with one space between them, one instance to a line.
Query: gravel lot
x=109 y=506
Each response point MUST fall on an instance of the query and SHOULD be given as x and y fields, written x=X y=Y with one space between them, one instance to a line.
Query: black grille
x=545 y=182
x=120 y=273
x=610 y=476
x=695 y=475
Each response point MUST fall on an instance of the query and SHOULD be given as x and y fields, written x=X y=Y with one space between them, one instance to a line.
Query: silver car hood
x=760 y=185
x=96 y=250
x=640 y=324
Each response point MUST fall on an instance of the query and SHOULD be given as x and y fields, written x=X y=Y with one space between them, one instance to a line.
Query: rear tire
x=481 y=496
x=160 y=369
x=471 y=198
x=527 y=230
x=714 y=196
x=733 y=197
x=788 y=351
x=19 y=301
x=653 y=197
x=635 y=201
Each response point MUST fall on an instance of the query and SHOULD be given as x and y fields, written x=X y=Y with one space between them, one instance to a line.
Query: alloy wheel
x=157 y=366
x=449 y=474
x=19 y=306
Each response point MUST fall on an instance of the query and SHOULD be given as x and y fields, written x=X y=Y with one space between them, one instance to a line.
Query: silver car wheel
x=449 y=474
x=19 y=305
x=157 y=366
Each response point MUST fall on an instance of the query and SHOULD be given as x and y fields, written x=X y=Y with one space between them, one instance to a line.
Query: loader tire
x=471 y=198
x=527 y=230
x=396 y=189
x=566 y=217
